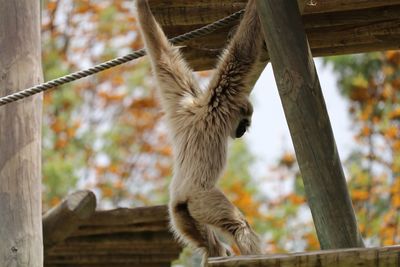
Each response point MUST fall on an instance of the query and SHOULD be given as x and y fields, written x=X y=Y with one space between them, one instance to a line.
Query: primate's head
x=243 y=122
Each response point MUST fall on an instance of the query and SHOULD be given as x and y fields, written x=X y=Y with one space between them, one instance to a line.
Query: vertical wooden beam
x=309 y=124
x=20 y=136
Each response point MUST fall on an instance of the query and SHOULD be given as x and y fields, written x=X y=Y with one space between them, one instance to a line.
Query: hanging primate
x=200 y=123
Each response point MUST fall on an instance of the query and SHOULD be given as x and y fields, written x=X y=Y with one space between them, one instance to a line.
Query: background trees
x=371 y=83
x=104 y=132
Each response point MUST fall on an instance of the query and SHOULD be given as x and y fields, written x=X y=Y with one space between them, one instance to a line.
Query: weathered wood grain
x=365 y=257
x=86 y=230
x=121 y=237
x=20 y=136
x=101 y=264
x=309 y=125
x=110 y=259
x=113 y=245
x=183 y=12
x=81 y=250
x=323 y=6
x=351 y=17
x=60 y=221
x=202 y=53
x=122 y=216
x=333 y=27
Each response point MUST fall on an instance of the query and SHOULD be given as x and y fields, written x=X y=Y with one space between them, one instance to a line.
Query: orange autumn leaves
x=103 y=132
x=64 y=132
x=359 y=195
x=244 y=200
x=372 y=85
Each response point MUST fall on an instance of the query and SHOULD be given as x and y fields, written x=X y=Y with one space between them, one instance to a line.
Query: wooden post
x=309 y=124
x=66 y=217
x=264 y=58
x=20 y=136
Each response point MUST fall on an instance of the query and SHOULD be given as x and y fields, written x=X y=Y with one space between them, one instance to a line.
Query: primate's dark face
x=244 y=121
x=242 y=127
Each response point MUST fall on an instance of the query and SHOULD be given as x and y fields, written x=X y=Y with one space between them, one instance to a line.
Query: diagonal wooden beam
x=309 y=124
x=264 y=58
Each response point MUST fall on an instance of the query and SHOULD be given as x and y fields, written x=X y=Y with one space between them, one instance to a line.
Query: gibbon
x=200 y=123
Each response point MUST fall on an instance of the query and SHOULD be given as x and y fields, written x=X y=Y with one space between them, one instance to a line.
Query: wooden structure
x=77 y=235
x=361 y=257
x=20 y=136
x=140 y=237
x=309 y=125
x=63 y=219
x=333 y=27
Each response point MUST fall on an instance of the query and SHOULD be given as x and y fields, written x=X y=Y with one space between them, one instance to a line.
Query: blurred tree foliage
x=286 y=215
x=103 y=132
x=371 y=83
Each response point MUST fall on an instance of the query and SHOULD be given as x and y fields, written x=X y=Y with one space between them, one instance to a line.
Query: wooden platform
x=366 y=257
x=333 y=26
x=114 y=238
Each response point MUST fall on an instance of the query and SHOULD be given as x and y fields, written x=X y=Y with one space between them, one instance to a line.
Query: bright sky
x=269 y=133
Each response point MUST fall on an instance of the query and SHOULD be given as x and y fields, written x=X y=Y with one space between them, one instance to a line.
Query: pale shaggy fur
x=200 y=123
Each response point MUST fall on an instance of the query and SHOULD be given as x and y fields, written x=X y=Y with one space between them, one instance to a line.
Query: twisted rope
x=117 y=61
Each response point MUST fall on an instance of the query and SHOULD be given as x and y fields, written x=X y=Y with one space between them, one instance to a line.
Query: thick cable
x=117 y=61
